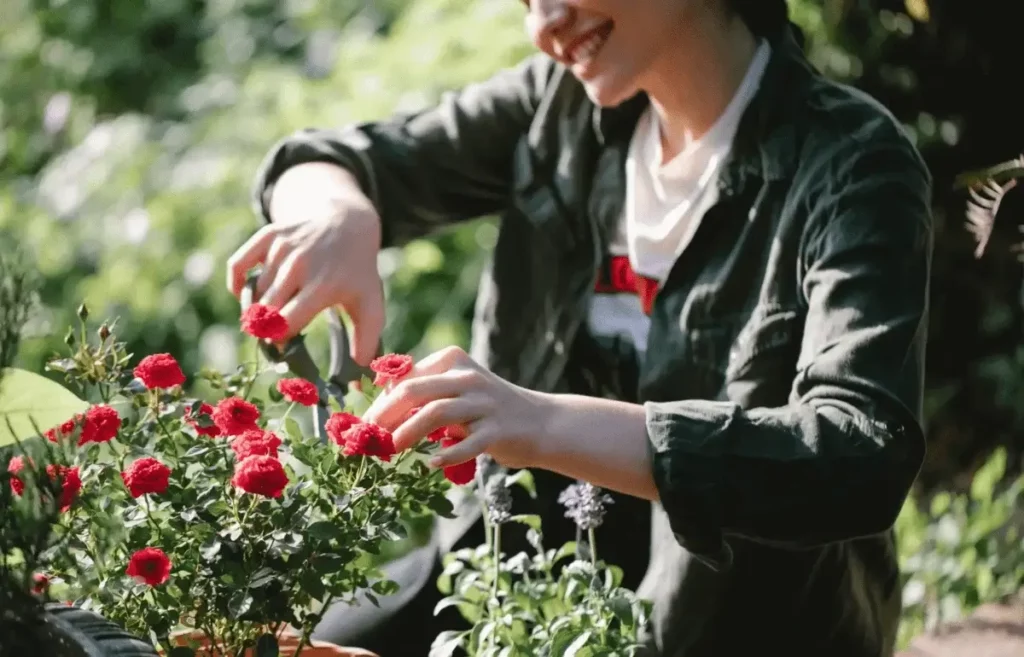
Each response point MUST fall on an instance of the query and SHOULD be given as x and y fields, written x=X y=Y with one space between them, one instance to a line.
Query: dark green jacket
x=785 y=365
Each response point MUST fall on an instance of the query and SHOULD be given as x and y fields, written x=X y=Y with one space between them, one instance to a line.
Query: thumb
x=367 y=325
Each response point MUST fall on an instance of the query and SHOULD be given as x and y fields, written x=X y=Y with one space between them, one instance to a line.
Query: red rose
x=234 y=416
x=70 y=481
x=104 y=423
x=265 y=323
x=159 y=371
x=255 y=442
x=147 y=475
x=150 y=565
x=203 y=422
x=338 y=424
x=80 y=423
x=260 y=475
x=14 y=467
x=463 y=473
x=299 y=391
x=365 y=439
x=40 y=584
x=390 y=368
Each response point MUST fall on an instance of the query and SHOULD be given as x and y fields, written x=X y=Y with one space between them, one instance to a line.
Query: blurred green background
x=130 y=131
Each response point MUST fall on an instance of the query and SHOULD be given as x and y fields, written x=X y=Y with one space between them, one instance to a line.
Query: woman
x=726 y=252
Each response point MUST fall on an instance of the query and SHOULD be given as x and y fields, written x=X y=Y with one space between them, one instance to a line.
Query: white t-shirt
x=664 y=203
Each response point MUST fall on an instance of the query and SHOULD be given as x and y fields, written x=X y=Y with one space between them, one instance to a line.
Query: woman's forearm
x=315 y=190
x=597 y=440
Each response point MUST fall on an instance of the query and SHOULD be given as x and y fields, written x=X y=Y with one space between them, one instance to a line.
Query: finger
x=285 y=284
x=248 y=256
x=437 y=414
x=463 y=451
x=392 y=407
x=276 y=255
x=443 y=360
x=301 y=310
x=367 y=324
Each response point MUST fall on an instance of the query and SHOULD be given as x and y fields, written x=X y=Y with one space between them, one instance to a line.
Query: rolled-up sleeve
x=838 y=461
x=450 y=162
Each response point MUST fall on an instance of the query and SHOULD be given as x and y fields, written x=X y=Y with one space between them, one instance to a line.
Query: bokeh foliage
x=130 y=131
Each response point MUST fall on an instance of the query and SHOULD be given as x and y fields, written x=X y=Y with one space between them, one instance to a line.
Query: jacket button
x=559 y=347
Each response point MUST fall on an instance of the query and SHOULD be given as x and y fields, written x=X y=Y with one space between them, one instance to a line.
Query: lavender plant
x=555 y=602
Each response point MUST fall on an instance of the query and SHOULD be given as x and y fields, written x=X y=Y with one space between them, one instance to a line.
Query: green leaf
x=446 y=643
x=266 y=646
x=292 y=429
x=313 y=584
x=612 y=578
x=262 y=577
x=532 y=521
x=27 y=398
x=324 y=530
x=623 y=609
x=442 y=506
x=384 y=587
x=523 y=479
x=210 y=548
x=568 y=641
x=445 y=603
x=983 y=485
x=240 y=603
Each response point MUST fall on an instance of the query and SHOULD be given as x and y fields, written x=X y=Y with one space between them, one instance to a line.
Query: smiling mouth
x=584 y=50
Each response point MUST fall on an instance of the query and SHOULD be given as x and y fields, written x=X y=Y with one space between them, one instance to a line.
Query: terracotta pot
x=286 y=641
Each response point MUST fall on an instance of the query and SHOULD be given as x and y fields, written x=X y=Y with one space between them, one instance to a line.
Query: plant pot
x=65 y=631
x=286 y=642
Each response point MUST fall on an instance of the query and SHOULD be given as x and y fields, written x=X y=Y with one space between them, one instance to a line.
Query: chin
x=606 y=93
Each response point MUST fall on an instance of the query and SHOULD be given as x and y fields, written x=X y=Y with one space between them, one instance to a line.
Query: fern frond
x=982 y=208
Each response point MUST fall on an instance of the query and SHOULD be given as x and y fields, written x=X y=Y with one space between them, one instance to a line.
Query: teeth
x=586 y=50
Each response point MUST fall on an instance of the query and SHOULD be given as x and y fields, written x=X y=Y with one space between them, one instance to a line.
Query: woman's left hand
x=501 y=419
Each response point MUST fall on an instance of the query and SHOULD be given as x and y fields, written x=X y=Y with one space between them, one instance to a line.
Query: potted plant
x=29 y=510
x=554 y=602
x=216 y=525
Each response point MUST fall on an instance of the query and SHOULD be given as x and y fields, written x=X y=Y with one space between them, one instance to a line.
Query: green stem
x=287 y=413
x=487 y=525
x=255 y=371
x=167 y=433
x=149 y=515
x=591 y=538
x=245 y=515
x=494 y=604
x=359 y=471
x=497 y=561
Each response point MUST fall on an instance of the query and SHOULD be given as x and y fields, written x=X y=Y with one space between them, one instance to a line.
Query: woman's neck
x=691 y=85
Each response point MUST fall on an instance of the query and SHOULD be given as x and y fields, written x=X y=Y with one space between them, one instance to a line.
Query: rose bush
x=218 y=519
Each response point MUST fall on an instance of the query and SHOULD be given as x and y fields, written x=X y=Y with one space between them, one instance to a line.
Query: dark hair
x=764 y=17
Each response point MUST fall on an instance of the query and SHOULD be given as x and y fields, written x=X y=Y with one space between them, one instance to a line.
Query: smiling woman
x=709 y=291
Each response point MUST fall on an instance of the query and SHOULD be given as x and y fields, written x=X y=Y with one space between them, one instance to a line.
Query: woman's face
x=610 y=45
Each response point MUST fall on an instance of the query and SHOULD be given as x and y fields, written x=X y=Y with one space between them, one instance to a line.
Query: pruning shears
x=343 y=370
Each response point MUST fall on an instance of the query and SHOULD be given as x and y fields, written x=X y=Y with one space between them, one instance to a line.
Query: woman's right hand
x=319 y=251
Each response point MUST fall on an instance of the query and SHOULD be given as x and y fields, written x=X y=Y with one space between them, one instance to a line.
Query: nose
x=545 y=19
